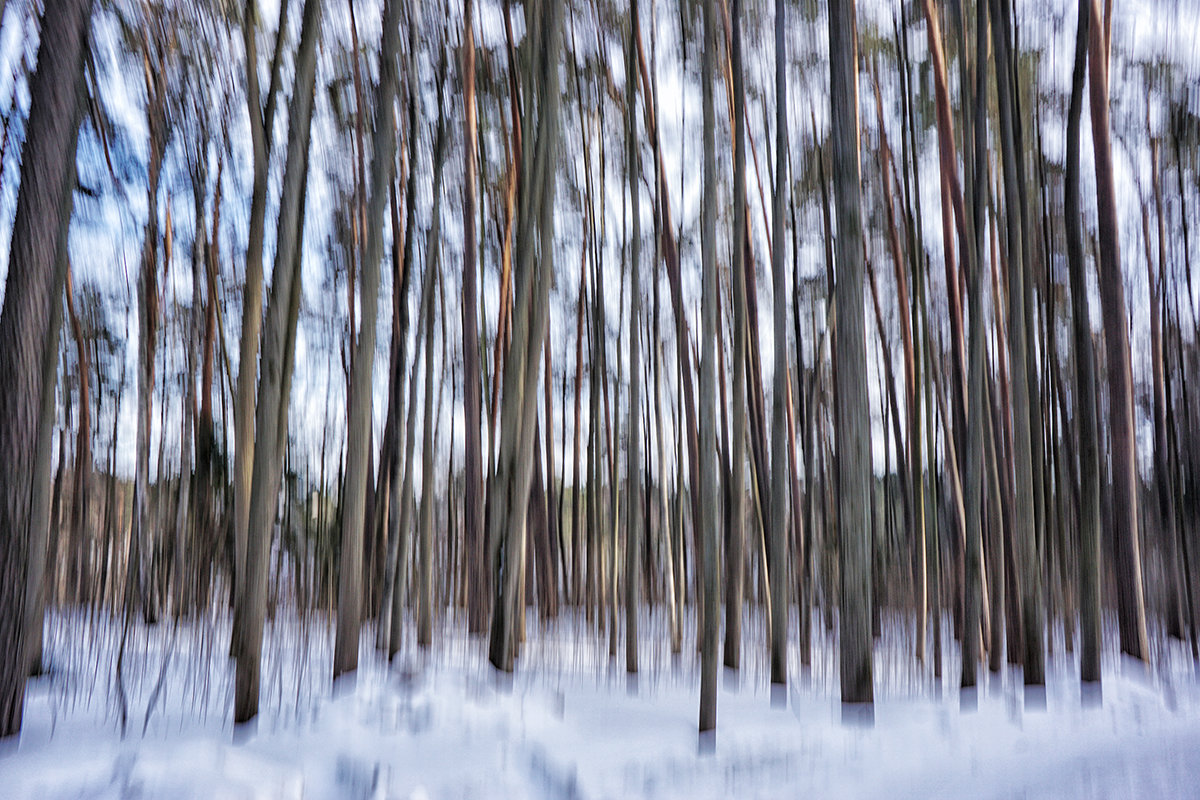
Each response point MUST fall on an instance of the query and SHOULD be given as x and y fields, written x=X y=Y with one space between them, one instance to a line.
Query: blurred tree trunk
x=79 y=571
x=853 y=421
x=399 y=430
x=532 y=279
x=472 y=484
x=1025 y=530
x=1131 y=607
x=706 y=522
x=971 y=245
x=428 y=478
x=141 y=585
x=633 y=531
x=278 y=349
x=42 y=517
x=1163 y=475
x=38 y=247
x=358 y=431
x=261 y=128
x=735 y=569
x=391 y=617
x=777 y=541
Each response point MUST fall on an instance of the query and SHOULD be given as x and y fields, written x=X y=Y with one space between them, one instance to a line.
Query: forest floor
x=572 y=725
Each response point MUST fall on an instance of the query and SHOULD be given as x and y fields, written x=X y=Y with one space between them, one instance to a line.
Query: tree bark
x=39 y=241
x=273 y=389
x=358 y=432
x=853 y=419
x=777 y=541
x=706 y=490
x=1131 y=607
x=1025 y=529
x=633 y=531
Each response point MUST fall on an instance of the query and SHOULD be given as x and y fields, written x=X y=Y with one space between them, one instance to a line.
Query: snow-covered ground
x=571 y=725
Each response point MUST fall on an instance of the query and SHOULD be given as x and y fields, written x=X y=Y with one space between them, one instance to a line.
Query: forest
x=589 y=398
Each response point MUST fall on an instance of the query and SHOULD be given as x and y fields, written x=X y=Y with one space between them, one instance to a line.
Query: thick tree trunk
x=42 y=515
x=1131 y=607
x=853 y=418
x=39 y=241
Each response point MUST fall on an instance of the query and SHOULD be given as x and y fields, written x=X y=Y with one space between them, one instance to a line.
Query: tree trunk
x=706 y=490
x=39 y=241
x=1025 y=529
x=472 y=484
x=277 y=353
x=1131 y=608
x=428 y=479
x=777 y=541
x=261 y=127
x=358 y=431
x=853 y=419
x=633 y=531
x=522 y=366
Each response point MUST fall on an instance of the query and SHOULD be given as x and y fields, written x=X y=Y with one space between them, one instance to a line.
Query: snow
x=571 y=724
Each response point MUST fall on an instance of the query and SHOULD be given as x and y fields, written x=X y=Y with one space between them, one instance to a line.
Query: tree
x=1085 y=379
x=633 y=532
x=779 y=453
x=853 y=422
x=262 y=118
x=976 y=356
x=706 y=525
x=428 y=477
x=472 y=463
x=358 y=431
x=1025 y=530
x=273 y=389
x=1131 y=607
x=532 y=278
x=39 y=244
x=735 y=553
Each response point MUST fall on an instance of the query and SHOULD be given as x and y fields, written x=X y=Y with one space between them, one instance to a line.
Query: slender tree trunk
x=274 y=387
x=358 y=432
x=472 y=487
x=972 y=245
x=428 y=478
x=522 y=365
x=633 y=533
x=736 y=538
x=777 y=541
x=1025 y=530
x=261 y=126
x=1163 y=476
x=706 y=489
x=79 y=535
